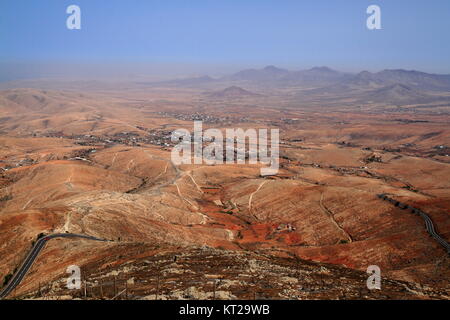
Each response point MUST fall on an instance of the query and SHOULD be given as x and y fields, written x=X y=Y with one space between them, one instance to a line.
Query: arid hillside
x=99 y=164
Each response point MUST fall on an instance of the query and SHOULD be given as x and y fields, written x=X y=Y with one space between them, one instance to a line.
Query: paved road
x=31 y=257
x=428 y=222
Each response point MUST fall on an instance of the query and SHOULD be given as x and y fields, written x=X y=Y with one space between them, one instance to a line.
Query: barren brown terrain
x=98 y=162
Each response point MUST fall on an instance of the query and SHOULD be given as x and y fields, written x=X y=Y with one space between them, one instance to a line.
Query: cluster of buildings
x=206 y=118
x=20 y=163
x=155 y=137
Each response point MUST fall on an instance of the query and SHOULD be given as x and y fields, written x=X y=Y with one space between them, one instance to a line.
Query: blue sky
x=221 y=35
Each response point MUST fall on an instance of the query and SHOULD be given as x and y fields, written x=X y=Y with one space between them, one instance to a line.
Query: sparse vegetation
x=6 y=198
x=6 y=279
x=40 y=235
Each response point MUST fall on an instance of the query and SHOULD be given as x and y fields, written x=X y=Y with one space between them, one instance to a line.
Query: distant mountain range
x=414 y=79
x=324 y=76
x=319 y=84
x=269 y=73
x=282 y=77
x=388 y=86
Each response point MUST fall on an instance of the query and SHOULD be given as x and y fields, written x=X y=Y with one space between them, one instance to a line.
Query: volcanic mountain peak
x=364 y=74
x=274 y=69
x=233 y=92
x=266 y=74
x=399 y=93
x=323 y=69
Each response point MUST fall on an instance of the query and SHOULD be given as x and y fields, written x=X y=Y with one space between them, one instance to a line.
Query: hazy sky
x=119 y=37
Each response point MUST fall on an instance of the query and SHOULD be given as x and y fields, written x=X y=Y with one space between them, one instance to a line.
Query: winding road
x=31 y=257
x=428 y=222
x=40 y=244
